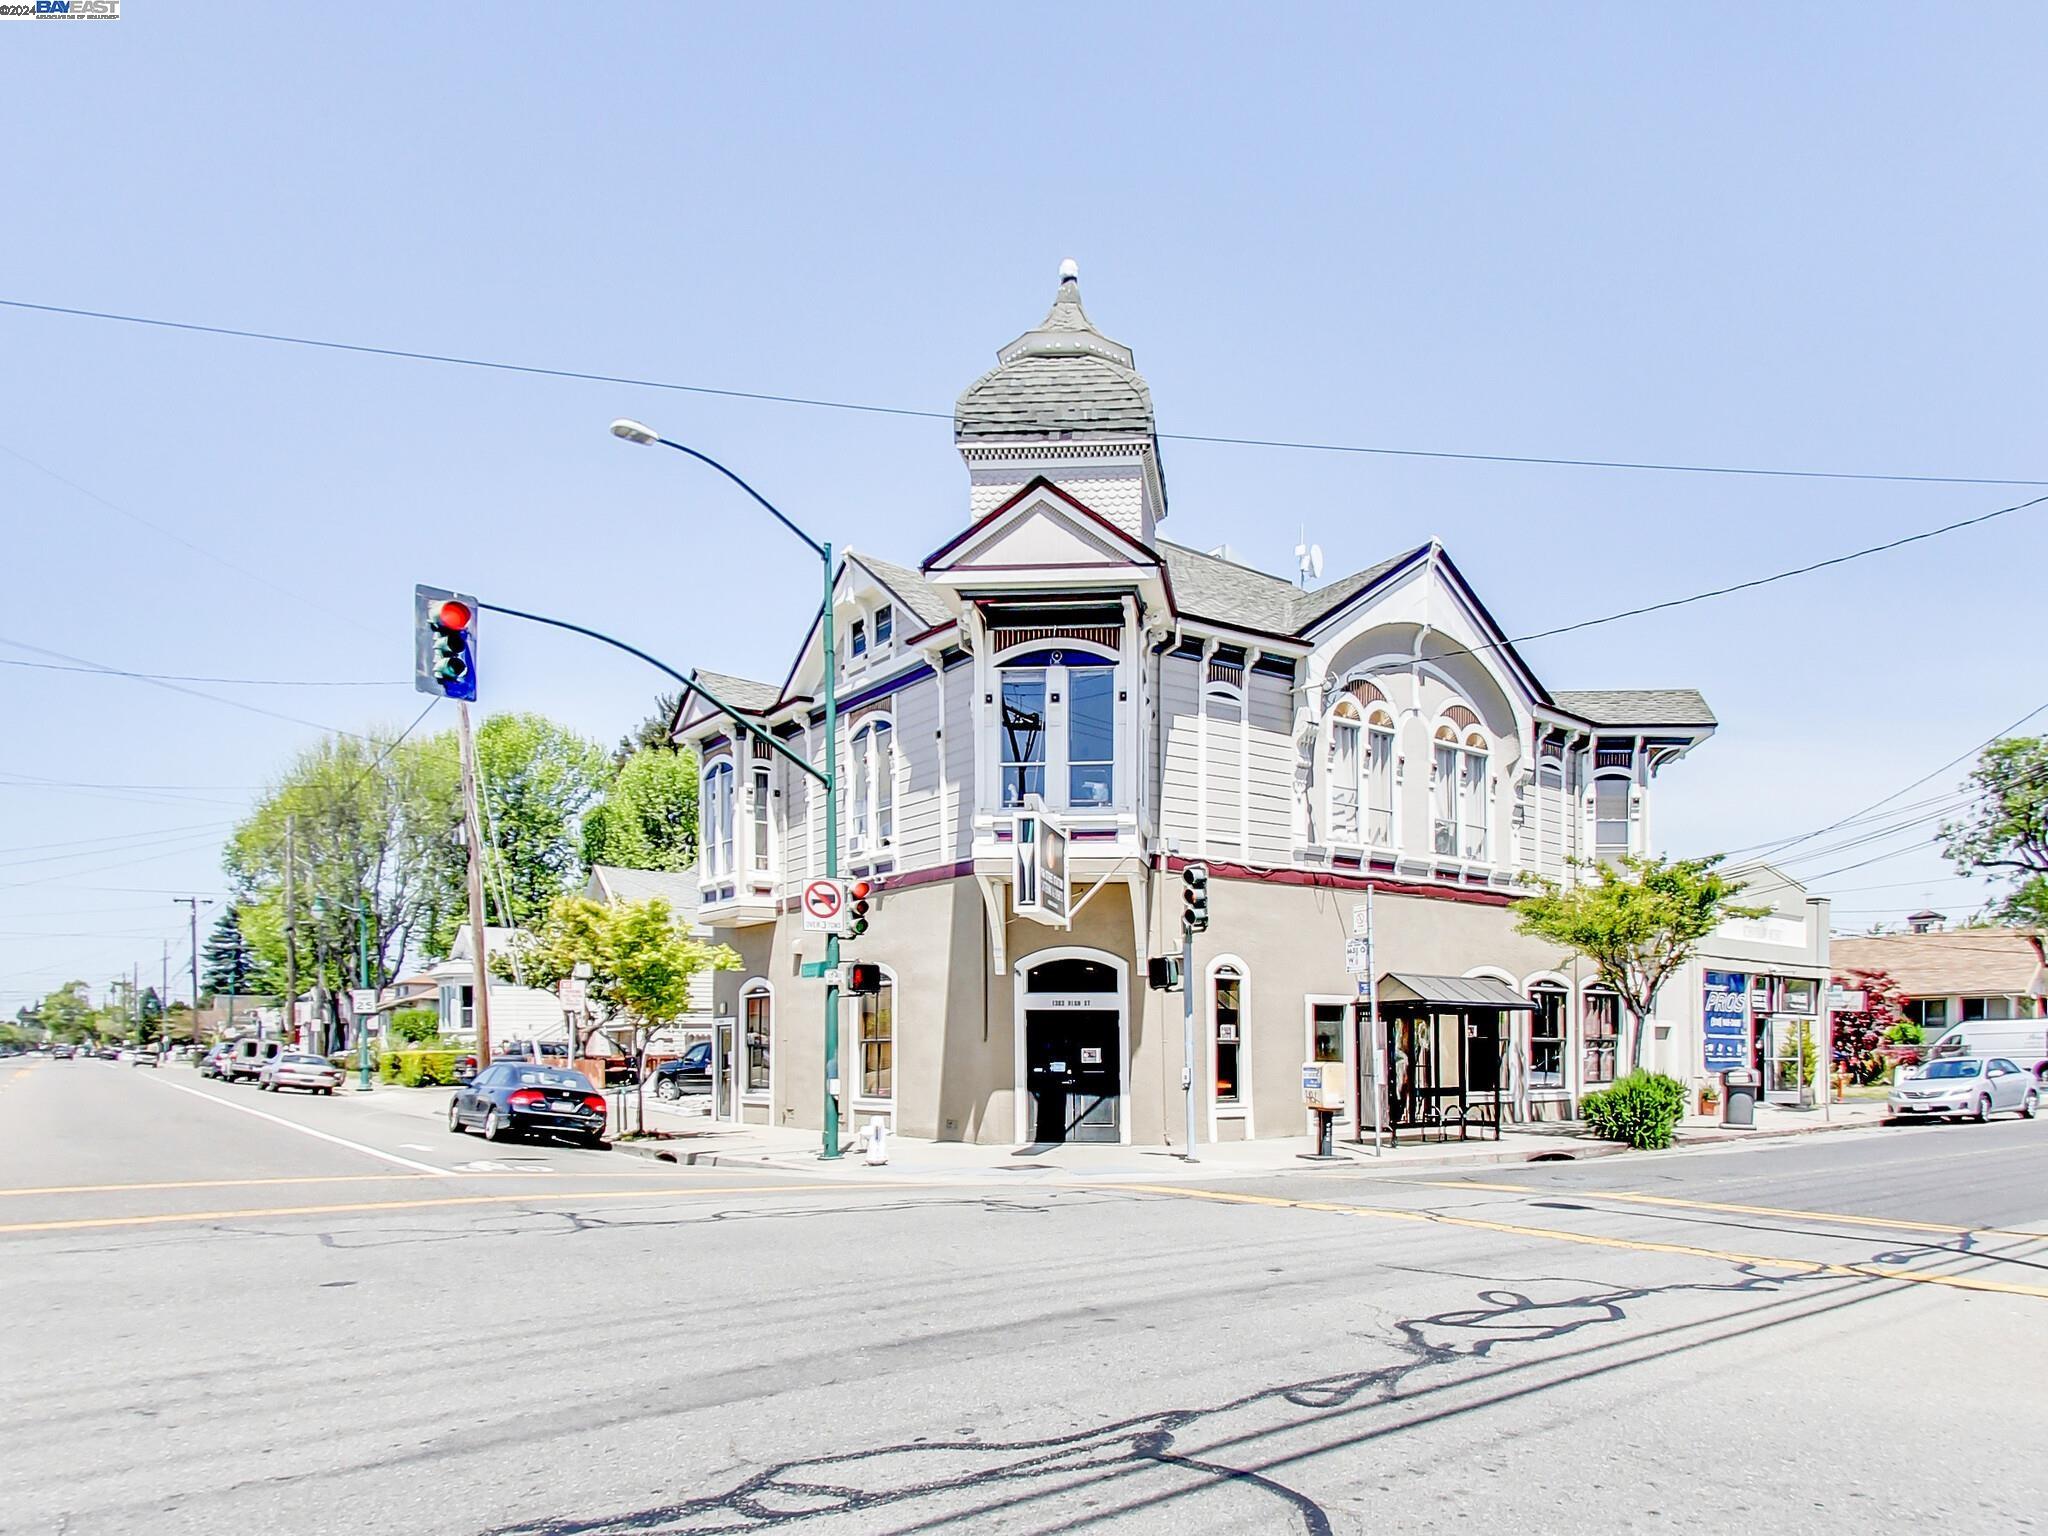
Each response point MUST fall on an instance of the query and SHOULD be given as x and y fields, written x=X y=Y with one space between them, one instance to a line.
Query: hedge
x=416 y=1026
x=419 y=1069
x=1641 y=1109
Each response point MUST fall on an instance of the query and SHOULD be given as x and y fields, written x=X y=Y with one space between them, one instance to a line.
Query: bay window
x=1056 y=732
x=718 y=818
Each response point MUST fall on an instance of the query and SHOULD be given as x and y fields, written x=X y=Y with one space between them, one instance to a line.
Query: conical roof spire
x=1062 y=379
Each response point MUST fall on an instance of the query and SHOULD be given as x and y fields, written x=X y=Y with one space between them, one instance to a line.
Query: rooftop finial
x=1069 y=273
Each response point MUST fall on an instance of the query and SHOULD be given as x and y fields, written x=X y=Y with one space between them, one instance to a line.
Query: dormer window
x=858 y=640
x=885 y=626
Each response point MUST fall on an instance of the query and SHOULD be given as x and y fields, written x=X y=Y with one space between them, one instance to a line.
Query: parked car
x=60 y=1053
x=510 y=1098
x=248 y=1057
x=1965 y=1085
x=210 y=1065
x=689 y=1073
x=551 y=1053
x=295 y=1069
x=465 y=1070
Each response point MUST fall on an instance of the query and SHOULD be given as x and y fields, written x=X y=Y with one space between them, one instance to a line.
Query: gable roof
x=1210 y=587
x=909 y=587
x=740 y=692
x=615 y=882
x=1636 y=706
x=1956 y=962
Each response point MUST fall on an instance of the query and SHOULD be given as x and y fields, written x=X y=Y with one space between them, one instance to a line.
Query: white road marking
x=415 y=1146
x=307 y=1130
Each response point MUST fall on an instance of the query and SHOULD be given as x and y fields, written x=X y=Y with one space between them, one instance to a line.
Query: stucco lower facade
x=967 y=1042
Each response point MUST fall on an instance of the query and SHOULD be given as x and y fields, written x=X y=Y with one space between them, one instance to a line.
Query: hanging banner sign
x=1724 y=1031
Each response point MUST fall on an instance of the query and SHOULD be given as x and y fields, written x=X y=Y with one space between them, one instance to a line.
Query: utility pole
x=163 y=998
x=291 y=934
x=193 y=903
x=473 y=838
x=362 y=984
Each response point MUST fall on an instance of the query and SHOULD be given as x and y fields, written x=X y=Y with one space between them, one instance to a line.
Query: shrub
x=416 y=1026
x=419 y=1068
x=1641 y=1109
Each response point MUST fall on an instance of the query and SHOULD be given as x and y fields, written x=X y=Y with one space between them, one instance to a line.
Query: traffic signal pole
x=830 y=1148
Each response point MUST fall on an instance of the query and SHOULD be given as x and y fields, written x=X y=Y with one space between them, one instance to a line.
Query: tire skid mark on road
x=1638 y=1197
x=1798 y=1266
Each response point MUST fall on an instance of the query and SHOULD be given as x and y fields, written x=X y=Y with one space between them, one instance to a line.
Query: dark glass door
x=1073 y=1075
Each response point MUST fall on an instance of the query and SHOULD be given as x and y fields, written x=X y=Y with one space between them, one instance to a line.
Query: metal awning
x=1451 y=992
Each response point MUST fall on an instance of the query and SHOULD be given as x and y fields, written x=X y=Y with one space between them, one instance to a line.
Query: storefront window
x=1328 y=1021
x=1546 y=1036
x=1229 y=1004
x=1603 y=1033
x=878 y=1042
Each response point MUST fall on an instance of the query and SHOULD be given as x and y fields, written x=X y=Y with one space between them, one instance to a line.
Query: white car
x=1977 y=1086
x=293 y=1069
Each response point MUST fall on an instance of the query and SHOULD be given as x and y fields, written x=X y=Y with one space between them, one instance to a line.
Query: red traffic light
x=453 y=615
x=863 y=979
x=860 y=890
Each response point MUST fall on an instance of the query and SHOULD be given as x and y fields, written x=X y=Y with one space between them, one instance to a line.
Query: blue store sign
x=1726 y=1021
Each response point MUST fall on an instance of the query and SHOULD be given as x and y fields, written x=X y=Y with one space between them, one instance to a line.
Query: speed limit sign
x=824 y=903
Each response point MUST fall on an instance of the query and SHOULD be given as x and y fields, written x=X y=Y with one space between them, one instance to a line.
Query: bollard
x=878 y=1143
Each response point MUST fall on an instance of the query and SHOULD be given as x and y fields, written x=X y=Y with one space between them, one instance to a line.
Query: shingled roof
x=918 y=594
x=1210 y=587
x=1635 y=706
x=1063 y=379
x=740 y=692
x=1957 y=962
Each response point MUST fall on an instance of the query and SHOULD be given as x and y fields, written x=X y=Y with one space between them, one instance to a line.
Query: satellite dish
x=1315 y=560
x=1308 y=561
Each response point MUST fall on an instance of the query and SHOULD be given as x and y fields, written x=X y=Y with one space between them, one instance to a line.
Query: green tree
x=651 y=734
x=226 y=962
x=68 y=1013
x=2006 y=832
x=648 y=818
x=641 y=959
x=1637 y=923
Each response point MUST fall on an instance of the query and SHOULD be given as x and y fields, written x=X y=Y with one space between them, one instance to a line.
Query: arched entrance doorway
x=1073 y=1055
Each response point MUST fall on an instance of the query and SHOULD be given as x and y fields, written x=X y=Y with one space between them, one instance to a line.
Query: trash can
x=1738 y=1096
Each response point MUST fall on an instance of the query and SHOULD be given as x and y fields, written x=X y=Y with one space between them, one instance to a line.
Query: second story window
x=1022 y=735
x=871 y=770
x=885 y=626
x=1610 y=817
x=1458 y=794
x=1091 y=735
x=763 y=794
x=718 y=818
x=858 y=639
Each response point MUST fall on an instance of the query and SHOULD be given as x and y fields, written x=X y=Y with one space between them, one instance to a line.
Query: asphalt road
x=225 y=1313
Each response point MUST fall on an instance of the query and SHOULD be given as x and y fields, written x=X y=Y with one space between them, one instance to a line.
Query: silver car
x=1977 y=1086
x=292 y=1069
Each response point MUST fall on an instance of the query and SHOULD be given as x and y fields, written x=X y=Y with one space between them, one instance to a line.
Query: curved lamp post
x=635 y=432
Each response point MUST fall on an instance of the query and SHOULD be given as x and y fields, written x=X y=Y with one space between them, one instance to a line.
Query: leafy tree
x=1861 y=1036
x=68 y=1014
x=2007 y=830
x=1637 y=923
x=651 y=734
x=648 y=819
x=642 y=960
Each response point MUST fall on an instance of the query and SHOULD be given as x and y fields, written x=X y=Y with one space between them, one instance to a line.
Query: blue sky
x=1755 y=236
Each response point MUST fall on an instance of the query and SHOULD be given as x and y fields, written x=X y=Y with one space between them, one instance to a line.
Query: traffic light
x=444 y=643
x=863 y=979
x=857 y=896
x=1194 y=882
x=1162 y=972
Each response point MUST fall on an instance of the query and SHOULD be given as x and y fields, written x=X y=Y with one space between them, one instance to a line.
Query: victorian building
x=1057 y=668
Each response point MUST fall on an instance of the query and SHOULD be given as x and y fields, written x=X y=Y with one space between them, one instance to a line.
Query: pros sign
x=824 y=904
x=1724 y=1021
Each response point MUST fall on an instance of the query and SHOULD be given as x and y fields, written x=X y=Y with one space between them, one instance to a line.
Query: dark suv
x=689 y=1073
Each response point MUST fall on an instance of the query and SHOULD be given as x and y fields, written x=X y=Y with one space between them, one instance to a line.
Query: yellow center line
x=1593 y=1240
x=1639 y=1197
x=177 y=1218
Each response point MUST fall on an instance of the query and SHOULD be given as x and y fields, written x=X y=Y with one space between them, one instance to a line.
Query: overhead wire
x=239 y=682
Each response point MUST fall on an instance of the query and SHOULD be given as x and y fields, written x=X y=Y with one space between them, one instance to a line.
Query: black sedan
x=688 y=1073
x=512 y=1098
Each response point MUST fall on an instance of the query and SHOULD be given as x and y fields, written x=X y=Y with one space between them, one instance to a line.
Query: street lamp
x=636 y=432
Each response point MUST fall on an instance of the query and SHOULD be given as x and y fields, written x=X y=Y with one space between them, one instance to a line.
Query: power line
x=245 y=682
x=869 y=408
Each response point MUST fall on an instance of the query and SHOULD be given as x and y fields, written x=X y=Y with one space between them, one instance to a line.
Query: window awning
x=1451 y=992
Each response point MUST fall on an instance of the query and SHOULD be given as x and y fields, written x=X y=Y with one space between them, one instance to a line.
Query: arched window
x=1359 y=763
x=1344 y=755
x=1227 y=1014
x=757 y=1013
x=878 y=1040
x=1459 y=790
x=871 y=772
x=717 y=816
x=1546 y=1035
x=1602 y=1033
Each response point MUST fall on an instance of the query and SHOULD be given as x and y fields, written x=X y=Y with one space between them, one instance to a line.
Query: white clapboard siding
x=1550 y=810
x=919 y=781
x=1270 y=835
x=959 y=759
x=1177 y=727
x=1224 y=788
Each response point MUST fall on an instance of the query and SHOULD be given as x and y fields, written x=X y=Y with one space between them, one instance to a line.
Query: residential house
x=610 y=883
x=1057 y=677
x=1955 y=975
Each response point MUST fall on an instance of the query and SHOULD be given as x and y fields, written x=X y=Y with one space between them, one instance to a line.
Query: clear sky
x=1794 y=236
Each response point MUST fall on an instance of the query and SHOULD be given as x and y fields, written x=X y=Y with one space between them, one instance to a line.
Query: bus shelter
x=1446 y=1053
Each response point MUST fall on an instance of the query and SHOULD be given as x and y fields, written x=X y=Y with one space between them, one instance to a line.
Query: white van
x=2024 y=1041
x=248 y=1059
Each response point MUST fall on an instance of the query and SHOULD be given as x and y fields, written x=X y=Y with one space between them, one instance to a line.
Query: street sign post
x=824 y=904
x=1358 y=955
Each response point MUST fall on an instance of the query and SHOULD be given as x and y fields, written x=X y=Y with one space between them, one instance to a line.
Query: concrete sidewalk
x=1780 y=1120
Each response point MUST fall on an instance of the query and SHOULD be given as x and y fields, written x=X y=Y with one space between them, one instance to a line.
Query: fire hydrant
x=878 y=1144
